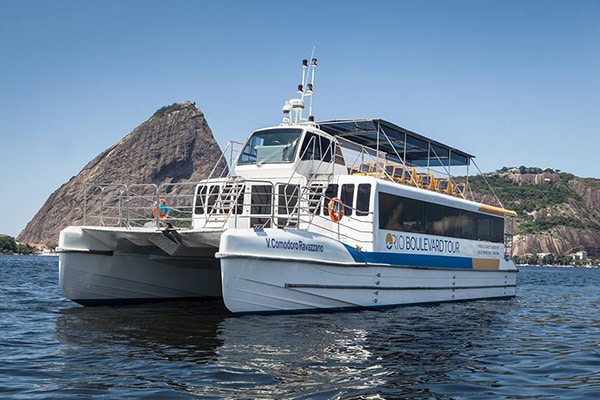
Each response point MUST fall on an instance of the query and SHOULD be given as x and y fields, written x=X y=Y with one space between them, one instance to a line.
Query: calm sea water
x=542 y=344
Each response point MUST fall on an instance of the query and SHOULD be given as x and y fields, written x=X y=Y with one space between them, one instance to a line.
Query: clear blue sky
x=512 y=82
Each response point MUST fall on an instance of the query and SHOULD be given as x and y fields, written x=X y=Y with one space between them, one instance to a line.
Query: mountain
x=174 y=145
x=557 y=212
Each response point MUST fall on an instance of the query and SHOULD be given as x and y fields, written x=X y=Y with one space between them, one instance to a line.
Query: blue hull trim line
x=411 y=260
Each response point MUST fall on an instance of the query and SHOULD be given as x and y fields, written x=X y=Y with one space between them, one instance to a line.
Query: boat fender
x=336 y=209
x=163 y=209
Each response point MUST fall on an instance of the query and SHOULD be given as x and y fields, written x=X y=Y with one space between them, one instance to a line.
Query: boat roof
x=399 y=143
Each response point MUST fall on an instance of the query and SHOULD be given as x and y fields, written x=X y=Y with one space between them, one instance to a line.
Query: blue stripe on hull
x=411 y=260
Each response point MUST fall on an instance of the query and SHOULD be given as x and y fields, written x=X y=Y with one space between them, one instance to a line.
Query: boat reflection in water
x=176 y=348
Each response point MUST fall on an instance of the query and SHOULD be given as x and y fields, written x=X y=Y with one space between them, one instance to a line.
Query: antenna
x=305 y=89
x=310 y=86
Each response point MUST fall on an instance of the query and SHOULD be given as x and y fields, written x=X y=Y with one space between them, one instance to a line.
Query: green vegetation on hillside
x=538 y=225
x=174 y=107
x=8 y=245
x=524 y=198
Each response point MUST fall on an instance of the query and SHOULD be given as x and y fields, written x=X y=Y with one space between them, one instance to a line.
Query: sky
x=511 y=82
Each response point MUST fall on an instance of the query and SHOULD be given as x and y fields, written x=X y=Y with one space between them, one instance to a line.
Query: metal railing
x=138 y=205
x=121 y=205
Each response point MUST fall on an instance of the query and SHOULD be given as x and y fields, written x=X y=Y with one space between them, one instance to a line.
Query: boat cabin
x=287 y=176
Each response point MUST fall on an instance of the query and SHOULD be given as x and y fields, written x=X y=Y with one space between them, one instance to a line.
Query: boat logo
x=389 y=241
x=414 y=243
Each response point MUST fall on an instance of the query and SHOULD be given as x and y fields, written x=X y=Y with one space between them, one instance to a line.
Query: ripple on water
x=542 y=344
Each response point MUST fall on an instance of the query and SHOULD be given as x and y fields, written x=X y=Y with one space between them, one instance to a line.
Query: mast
x=293 y=109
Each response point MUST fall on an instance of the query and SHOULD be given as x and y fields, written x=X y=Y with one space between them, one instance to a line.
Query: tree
x=52 y=246
x=8 y=245
x=24 y=248
x=548 y=259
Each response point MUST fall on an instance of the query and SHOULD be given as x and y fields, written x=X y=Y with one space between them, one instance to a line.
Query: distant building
x=580 y=255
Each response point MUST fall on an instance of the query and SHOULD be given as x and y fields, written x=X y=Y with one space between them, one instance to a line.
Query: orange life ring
x=336 y=209
x=163 y=209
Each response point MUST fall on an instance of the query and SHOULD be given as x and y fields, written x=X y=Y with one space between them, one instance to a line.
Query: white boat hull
x=294 y=281
x=107 y=266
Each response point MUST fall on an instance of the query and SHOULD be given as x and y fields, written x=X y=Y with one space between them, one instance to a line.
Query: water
x=542 y=344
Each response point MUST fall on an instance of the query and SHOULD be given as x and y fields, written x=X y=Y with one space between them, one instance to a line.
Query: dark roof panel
x=385 y=136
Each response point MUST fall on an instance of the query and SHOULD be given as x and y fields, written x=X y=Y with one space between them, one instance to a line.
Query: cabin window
x=492 y=228
x=316 y=147
x=240 y=200
x=434 y=219
x=468 y=225
x=311 y=147
x=199 y=206
x=363 y=199
x=330 y=193
x=497 y=229
x=270 y=146
x=452 y=223
x=261 y=199
x=326 y=148
x=484 y=227
x=410 y=215
x=235 y=197
x=413 y=217
x=390 y=211
x=213 y=195
x=288 y=198
x=346 y=196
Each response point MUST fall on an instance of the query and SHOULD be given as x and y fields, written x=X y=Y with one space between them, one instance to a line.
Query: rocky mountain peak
x=174 y=145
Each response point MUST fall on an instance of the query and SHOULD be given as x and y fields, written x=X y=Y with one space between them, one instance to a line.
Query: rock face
x=174 y=145
x=560 y=240
x=569 y=225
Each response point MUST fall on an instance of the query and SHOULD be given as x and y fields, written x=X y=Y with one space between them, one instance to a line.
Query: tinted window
x=311 y=147
x=347 y=195
x=200 y=193
x=330 y=193
x=213 y=195
x=363 y=199
x=413 y=216
x=326 y=148
x=288 y=198
x=261 y=199
x=409 y=215
x=270 y=146
x=434 y=219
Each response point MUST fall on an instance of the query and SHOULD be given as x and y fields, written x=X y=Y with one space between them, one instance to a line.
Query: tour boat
x=311 y=216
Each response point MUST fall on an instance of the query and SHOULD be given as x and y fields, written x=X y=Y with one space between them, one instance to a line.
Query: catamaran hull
x=254 y=283
x=91 y=279
x=114 y=270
